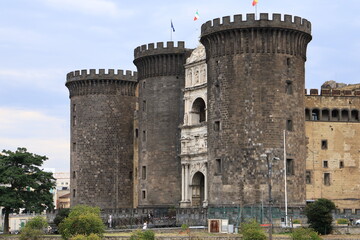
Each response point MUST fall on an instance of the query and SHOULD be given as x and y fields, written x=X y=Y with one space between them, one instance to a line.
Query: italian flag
x=196 y=17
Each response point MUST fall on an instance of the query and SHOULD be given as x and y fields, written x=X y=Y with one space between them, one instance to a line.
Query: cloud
x=48 y=79
x=38 y=132
x=91 y=7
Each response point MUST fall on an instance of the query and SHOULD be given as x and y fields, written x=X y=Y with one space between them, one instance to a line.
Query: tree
x=82 y=220
x=319 y=215
x=23 y=185
x=61 y=215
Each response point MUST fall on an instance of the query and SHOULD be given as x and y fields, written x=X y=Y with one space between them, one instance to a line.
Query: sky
x=42 y=40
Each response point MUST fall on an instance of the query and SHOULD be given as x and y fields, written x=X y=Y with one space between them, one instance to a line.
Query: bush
x=61 y=215
x=252 y=231
x=31 y=234
x=83 y=237
x=296 y=221
x=82 y=220
x=34 y=228
x=37 y=222
x=342 y=221
x=143 y=235
x=319 y=215
x=304 y=234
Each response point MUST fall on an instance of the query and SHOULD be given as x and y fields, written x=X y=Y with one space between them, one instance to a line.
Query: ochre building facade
x=208 y=126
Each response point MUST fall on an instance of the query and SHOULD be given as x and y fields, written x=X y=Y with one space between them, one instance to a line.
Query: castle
x=209 y=126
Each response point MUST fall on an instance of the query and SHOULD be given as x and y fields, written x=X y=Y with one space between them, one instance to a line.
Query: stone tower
x=102 y=113
x=255 y=92
x=161 y=79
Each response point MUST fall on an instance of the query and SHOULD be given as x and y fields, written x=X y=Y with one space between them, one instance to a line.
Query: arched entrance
x=197 y=196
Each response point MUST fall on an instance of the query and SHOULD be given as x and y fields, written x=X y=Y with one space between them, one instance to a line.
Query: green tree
x=319 y=215
x=252 y=230
x=34 y=228
x=82 y=220
x=23 y=184
x=61 y=215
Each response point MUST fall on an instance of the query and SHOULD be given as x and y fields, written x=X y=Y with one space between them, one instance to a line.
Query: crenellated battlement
x=101 y=74
x=288 y=22
x=333 y=93
x=150 y=49
x=111 y=82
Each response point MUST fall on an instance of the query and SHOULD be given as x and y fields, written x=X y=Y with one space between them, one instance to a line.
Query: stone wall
x=255 y=92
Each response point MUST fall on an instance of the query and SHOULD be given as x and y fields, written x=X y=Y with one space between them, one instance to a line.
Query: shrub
x=83 y=237
x=143 y=235
x=251 y=230
x=342 y=221
x=296 y=221
x=304 y=234
x=37 y=222
x=61 y=215
x=31 y=234
x=82 y=220
x=34 y=228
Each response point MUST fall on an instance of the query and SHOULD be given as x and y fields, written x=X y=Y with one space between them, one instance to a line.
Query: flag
x=172 y=26
x=196 y=17
x=254 y=2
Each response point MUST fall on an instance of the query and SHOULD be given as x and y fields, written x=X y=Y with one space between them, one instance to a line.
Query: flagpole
x=256 y=12
x=171 y=30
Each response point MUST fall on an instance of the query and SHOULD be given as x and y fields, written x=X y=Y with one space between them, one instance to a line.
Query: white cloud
x=92 y=7
x=38 y=132
x=49 y=79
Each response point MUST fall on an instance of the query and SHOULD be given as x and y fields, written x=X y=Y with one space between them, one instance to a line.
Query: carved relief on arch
x=197 y=167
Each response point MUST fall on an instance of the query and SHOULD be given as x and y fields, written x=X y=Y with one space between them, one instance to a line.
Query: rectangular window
x=74 y=147
x=130 y=175
x=308 y=177
x=144 y=105
x=288 y=88
x=218 y=166
x=144 y=136
x=347 y=211
x=74 y=120
x=341 y=164
x=289 y=167
x=324 y=144
x=143 y=174
x=74 y=193
x=143 y=193
x=357 y=211
x=325 y=164
x=74 y=108
x=74 y=174
x=217 y=126
x=289 y=125
x=327 y=179
x=136 y=133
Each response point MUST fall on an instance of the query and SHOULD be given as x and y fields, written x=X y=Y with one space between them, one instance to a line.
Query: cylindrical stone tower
x=161 y=78
x=256 y=92
x=102 y=115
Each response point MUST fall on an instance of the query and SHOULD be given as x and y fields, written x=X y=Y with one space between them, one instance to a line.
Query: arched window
x=354 y=115
x=325 y=115
x=198 y=113
x=315 y=114
x=335 y=115
x=345 y=115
